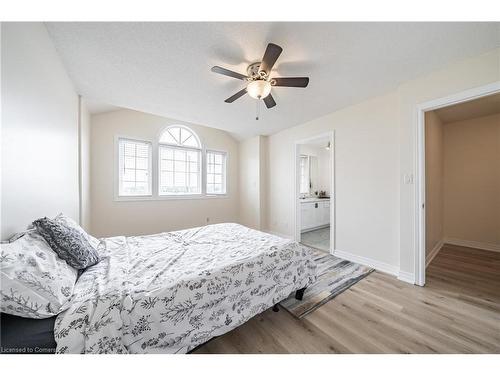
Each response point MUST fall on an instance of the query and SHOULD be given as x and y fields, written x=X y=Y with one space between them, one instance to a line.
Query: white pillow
x=35 y=282
x=69 y=222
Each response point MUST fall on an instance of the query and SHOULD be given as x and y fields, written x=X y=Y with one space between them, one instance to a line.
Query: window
x=216 y=172
x=134 y=159
x=305 y=180
x=185 y=168
x=179 y=162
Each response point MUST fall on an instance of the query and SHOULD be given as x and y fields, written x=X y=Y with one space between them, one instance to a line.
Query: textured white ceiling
x=95 y=106
x=164 y=68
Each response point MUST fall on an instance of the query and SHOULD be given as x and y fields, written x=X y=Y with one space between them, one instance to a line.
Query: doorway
x=450 y=208
x=314 y=199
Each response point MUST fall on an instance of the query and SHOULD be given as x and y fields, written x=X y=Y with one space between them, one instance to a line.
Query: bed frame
x=299 y=294
x=35 y=336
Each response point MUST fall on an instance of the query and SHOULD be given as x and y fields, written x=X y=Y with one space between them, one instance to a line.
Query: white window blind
x=180 y=171
x=305 y=180
x=134 y=167
x=216 y=172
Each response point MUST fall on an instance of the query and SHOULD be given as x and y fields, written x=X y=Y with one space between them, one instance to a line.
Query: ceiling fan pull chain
x=257 y=110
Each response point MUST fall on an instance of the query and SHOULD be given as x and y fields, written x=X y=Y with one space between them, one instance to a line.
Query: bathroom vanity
x=315 y=213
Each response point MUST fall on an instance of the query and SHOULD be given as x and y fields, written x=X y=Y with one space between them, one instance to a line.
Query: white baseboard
x=314 y=228
x=407 y=277
x=432 y=254
x=473 y=244
x=287 y=236
x=379 y=266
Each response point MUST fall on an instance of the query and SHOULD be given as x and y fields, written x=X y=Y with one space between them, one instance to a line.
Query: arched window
x=179 y=161
x=180 y=136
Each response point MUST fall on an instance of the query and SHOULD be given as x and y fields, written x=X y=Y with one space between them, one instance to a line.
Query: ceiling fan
x=259 y=82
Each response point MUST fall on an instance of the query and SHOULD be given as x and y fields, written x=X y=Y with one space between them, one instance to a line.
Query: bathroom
x=314 y=200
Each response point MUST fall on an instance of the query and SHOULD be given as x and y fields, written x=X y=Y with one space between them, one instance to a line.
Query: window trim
x=200 y=180
x=180 y=147
x=308 y=158
x=116 y=172
x=164 y=129
x=226 y=182
x=155 y=166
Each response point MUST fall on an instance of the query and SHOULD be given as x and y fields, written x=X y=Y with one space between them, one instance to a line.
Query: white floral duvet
x=168 y=293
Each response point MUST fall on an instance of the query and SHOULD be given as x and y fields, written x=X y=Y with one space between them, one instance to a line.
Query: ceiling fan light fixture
x=258 y=80
x=259 y=89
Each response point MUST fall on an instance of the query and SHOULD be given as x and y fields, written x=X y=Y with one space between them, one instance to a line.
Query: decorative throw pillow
x=35 y=282
x=69 y=222
x=68 y=243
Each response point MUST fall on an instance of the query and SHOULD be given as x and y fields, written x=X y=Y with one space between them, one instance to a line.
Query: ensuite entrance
x=314 y=198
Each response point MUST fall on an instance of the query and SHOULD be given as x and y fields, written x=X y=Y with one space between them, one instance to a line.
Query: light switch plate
x=408 y=179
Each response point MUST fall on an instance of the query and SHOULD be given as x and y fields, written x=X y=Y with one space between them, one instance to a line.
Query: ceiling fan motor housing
x=253 y=71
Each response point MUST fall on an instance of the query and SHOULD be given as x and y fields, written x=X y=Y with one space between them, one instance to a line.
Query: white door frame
x=296 y=186
x=419 y=208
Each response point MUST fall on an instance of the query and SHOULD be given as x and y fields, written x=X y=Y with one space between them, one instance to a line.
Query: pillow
x=35 y=282
x=69 y=222
x=18 y=235
x=69 y=243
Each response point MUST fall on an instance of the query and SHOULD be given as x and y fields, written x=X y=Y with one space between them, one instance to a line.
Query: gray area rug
x=334 y=276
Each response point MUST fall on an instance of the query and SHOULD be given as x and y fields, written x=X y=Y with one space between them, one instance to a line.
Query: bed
x=26 y=336
x=171 y=292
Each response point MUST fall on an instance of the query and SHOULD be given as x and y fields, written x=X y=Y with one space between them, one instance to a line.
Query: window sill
x=169 y=198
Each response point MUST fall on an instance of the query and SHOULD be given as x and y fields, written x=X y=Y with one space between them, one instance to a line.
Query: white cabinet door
x=324 y=213
x=307 y=215
x=315 y=214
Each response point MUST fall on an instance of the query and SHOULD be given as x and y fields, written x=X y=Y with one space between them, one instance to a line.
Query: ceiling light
x=259 y=89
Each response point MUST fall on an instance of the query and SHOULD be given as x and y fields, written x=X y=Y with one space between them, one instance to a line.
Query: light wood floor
x=458 y=311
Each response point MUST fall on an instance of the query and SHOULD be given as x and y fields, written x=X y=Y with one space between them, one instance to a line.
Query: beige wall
x=433 y=182
x=249 y=182
x=110 y=217
x=39 y=130
x=472 y=180
x=375 y=149
x=264 y=176
x=451 y=79
x=84 y=172
x=366 y=175
x=253 y=157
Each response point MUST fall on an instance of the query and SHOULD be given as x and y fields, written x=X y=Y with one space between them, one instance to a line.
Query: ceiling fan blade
x=239 y=94
x=269 y=100
x=272 y=53
x=227 y=72
x=290 y=81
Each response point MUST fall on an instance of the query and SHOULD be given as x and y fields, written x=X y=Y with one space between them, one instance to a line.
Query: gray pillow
x=70 y=244
x=69 y=222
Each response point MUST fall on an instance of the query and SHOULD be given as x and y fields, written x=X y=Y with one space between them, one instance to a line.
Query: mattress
x=23 y=335
x=170 y=292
